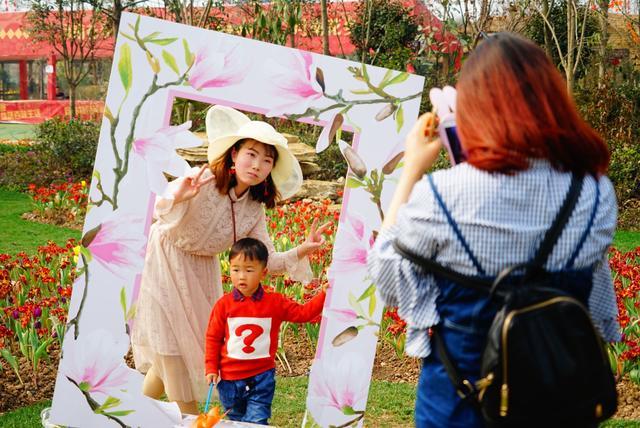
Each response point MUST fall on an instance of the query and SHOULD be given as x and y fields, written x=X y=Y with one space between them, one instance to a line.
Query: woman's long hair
x=265 y=192
x=513 y=105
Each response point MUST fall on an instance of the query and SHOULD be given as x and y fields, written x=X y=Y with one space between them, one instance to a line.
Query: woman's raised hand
x=421 y=149
x=189 y=186
x=314 y=240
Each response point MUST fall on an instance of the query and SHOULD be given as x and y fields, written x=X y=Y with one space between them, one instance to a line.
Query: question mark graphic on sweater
x=256 y=331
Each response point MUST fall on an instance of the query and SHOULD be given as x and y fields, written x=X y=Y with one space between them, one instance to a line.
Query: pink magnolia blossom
x=394 y=157
x=351 y=246
x=159 y=152
x=118 y=245
x=339 y=384
x=215 y=67
x=292 y=83
x=329 y=132
x=343 y=315
x=96 y=362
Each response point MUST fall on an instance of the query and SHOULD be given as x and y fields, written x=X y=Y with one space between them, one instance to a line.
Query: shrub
x=37 y=166
x=13 y=148
x=385 y=34
x=614 y=111
x=71 y=143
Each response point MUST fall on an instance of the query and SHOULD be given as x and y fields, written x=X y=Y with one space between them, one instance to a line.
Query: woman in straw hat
x=249 y=165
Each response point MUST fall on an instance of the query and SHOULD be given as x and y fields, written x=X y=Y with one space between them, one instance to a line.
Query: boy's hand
x=325 y=286
x=212 y=378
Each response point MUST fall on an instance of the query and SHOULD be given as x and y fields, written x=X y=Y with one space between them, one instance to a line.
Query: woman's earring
x=232 y=170
x=266 y=188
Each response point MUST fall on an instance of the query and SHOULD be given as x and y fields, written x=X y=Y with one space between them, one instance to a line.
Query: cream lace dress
x=181 y=281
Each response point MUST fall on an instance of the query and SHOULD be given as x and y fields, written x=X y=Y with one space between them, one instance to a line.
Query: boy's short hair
x=251 y=248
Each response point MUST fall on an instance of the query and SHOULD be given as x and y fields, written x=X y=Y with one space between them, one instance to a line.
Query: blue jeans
x=249 y=400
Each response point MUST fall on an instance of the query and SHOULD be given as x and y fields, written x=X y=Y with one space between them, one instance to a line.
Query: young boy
x=242 y=336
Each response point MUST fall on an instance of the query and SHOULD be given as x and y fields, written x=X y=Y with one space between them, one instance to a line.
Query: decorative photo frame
x=156 y=62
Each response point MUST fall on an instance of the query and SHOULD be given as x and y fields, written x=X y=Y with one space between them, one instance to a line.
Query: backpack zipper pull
x=504 y=399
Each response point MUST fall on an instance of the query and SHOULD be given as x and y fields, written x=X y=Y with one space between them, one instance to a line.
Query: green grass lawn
x=626 y=240
x=389 y=405
x=17 y=234
x=17 y=131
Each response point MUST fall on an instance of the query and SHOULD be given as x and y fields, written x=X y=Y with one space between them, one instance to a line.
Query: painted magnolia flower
x=343 y=315
x=293 y=83
x=351 y=246
x=215 y=67
x=393 y=158
x=159 y=152
x=328 y=133
x=95 y=361
x=341 y=385
x=117 y=244
x=355 y=162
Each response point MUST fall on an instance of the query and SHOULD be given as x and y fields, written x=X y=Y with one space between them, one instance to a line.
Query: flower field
x=35 y=290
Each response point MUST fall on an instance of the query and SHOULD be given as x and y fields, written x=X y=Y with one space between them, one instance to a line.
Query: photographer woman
x=523 y=140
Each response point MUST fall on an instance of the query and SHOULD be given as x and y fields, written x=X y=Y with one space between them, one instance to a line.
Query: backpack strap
x=554 y=232
x=464 y=388
x=583 y=238
x=455 y=227
x=433 y=267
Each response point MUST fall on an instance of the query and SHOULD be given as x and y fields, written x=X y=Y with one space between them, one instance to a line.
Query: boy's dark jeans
x=249 y=400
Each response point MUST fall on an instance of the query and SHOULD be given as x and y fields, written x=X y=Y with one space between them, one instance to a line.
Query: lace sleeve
x=165 y=208
x=298 y=269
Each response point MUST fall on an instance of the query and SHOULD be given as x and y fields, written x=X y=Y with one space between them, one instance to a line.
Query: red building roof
x=16 y=44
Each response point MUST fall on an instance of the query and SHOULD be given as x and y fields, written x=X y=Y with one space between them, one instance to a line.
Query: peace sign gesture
x=314 y=240
x=189 y=186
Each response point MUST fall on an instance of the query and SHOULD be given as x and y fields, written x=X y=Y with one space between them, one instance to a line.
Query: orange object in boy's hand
x=209 y=419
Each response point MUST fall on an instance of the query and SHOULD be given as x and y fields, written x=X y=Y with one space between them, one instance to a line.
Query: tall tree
x=113 y=9
x=325 y=27
x=569 y=25
x=603 y=21
x=190 y=13
x=75 y=34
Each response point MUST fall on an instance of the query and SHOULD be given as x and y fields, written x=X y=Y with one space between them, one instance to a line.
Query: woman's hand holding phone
x=444 y=103
x=422 y=146
x=421 y=151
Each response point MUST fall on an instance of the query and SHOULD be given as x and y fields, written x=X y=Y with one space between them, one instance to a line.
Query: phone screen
x=454 y=144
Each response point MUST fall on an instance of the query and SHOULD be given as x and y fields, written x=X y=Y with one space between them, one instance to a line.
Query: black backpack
x=544 y=363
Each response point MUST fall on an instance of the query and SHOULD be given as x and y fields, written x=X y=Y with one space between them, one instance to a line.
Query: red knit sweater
x=242 y=336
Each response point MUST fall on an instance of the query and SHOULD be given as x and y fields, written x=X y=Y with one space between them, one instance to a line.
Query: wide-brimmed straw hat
x=226 y=126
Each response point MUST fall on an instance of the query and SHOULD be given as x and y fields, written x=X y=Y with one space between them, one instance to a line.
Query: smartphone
x=449 y=138
x=444 y=101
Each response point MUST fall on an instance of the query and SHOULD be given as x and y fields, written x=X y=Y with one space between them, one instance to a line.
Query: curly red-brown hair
x=513 y=105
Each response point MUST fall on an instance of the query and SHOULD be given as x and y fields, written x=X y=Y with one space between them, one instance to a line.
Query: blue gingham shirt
x=503 y=218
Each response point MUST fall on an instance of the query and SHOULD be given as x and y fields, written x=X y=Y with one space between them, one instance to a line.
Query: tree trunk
x=325 y=27
x=604 y=39
x=72 y=100
x=548 y=47
x=571 y=44
x=117 y=14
